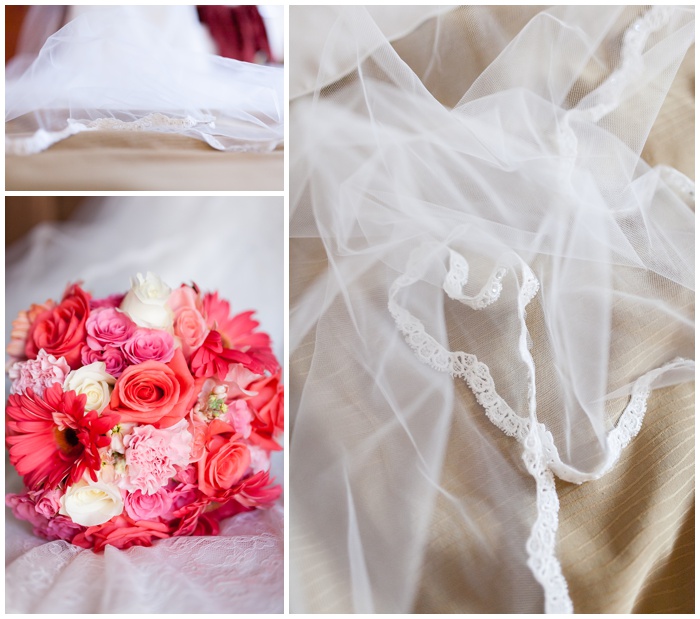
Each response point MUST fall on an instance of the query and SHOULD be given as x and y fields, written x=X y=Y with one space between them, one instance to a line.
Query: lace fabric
x=241 y=571
x=514 y=239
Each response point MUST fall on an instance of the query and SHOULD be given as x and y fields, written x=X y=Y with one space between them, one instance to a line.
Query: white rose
x=147 y=303
x=94 y=381
x=90 y=503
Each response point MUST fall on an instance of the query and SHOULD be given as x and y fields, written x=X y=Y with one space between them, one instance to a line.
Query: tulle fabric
x=483 y=245
x=114 y=69
x=233 y=245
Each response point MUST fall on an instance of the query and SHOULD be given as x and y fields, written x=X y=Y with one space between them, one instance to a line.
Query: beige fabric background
x=148 y=161
x=626 y=542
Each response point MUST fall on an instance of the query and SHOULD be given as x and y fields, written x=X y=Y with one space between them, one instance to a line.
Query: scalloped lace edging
x=540 y=454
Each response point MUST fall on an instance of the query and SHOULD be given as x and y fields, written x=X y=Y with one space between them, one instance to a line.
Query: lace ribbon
x=540 y=454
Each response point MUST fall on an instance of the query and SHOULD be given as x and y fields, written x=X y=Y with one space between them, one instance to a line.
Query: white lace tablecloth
x=239 y=571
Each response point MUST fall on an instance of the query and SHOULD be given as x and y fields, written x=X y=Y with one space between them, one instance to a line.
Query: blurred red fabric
x=238 y=31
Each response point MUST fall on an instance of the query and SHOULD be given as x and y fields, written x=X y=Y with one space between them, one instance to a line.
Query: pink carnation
x=153 y=456
x=140 y=506
x=108 y=327
x=149 y=345
x=38 y=374
x=113 y=358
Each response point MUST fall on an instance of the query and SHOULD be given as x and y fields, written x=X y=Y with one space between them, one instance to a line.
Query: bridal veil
x=135 y=68
x=478 y=251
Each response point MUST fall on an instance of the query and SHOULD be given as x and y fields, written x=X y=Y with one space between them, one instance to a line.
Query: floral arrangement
x=140 y=416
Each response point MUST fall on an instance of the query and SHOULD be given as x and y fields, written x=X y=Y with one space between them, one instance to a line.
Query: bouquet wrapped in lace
x=140 y=416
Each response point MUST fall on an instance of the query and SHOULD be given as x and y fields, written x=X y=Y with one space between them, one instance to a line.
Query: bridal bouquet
x=140 y=416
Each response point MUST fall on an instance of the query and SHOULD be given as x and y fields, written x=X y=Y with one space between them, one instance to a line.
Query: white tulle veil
x=476 y=240
x=113 y=68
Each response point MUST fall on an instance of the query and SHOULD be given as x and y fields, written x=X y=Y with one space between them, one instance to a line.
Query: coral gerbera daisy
x=51 y=437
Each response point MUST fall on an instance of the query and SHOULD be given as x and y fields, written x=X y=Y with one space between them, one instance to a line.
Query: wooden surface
x=23 y=213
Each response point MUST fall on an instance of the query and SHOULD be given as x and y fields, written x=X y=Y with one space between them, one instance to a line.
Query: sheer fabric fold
x=484 y=247
x=113 y=69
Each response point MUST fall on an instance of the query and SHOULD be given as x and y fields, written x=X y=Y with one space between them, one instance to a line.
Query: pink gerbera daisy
x=51 y=437
x=212 y=359
x=239 y=332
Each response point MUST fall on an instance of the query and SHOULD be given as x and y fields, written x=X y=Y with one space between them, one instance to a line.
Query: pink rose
x=140 y=506
x=38 y=374
x=37 y=508
x=48 y=503
x=113 y=358
x=24 y=508
x=225 y=460
x=181 y=495
x=149 y=345
x=108 y=327
x=189 y=324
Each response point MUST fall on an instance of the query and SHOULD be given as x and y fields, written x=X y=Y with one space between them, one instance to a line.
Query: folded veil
x=484 y=248
x=112 y=68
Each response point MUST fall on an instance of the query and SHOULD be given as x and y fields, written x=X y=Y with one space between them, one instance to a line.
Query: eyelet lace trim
x=540 y=454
